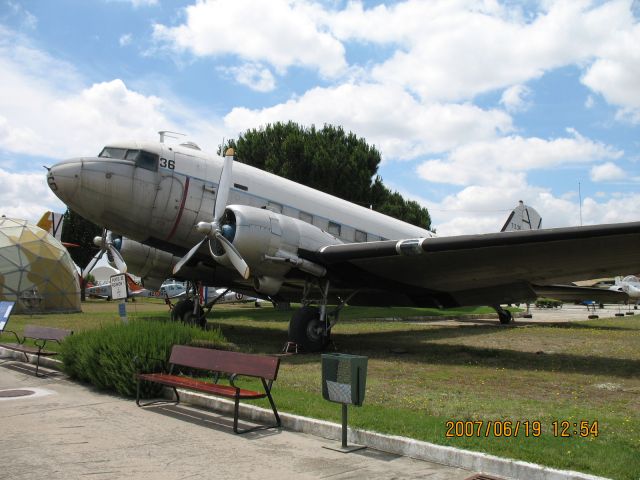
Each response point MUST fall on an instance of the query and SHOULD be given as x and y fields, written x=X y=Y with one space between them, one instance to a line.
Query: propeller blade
x=92 y=263
x=235 y=257
x=188 y=256
x=224 y=187
x=117 y=258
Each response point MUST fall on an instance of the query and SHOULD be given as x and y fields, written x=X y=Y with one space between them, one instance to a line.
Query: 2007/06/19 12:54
x=513 y=428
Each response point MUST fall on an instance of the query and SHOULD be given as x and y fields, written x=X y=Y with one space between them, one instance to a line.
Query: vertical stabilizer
x=522 y=217
x=52 y=222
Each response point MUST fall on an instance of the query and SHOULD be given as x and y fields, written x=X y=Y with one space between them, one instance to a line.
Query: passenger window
x=305 y=217
x=334 y=229
x=274 y=207
x=360 y=236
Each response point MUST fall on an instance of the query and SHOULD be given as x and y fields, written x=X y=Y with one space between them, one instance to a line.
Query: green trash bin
x=344 y=378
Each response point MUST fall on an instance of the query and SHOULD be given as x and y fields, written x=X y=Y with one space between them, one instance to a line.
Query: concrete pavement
x=67 y=431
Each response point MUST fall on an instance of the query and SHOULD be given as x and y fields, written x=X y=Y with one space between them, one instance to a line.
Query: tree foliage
x=327 y=159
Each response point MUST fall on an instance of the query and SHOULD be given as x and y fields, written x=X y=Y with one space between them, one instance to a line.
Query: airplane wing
x=572 y=293
x=487 y=269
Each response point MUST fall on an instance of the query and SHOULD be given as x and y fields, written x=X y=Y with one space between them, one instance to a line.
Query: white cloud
x=455 y=50
x=607 y=172
x=506 y=160
x=485 y=208
x=125 y=39
x=253 y=75
x=589 y=102
x=282 y=33
x=516 y=98
x=399 y=125
x=52 y=113
x=616 y=72
x=138 y=3
x=26 y=195
x=26 y=18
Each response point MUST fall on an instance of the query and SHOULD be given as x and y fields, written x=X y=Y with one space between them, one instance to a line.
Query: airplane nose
x=64 y=179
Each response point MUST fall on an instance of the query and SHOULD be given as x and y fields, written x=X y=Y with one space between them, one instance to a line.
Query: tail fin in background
x=52 y=223
x=522 y=217
x=133 y=286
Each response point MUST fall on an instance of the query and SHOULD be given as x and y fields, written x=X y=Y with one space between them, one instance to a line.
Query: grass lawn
x=579 y=371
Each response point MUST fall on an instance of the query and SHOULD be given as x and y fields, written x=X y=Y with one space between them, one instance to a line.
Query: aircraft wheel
x=505 y=317
x=194 y=319
x=180 y=309
x=305 y=329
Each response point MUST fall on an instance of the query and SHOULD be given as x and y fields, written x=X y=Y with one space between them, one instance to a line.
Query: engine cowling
x=150 y=264
x=269 y=242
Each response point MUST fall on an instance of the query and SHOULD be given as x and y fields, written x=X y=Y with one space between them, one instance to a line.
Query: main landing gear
x=310 y=326
x=505 y=316
x=189 y=311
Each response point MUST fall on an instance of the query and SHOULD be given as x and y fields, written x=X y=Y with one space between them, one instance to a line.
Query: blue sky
x=474 y=105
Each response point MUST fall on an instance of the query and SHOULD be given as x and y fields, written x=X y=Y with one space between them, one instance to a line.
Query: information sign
x=119 y=287
x=5 y=311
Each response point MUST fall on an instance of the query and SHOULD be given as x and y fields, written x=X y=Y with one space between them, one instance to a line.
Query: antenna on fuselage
x=170 y=134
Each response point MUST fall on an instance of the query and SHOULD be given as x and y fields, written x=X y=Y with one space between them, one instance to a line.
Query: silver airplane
x=276 y=239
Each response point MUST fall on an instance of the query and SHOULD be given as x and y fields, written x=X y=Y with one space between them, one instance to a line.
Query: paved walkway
x=69 y=431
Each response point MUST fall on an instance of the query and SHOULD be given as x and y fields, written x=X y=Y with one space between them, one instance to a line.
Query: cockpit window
x=146 y=160
x=131 y=154
x=111 y=152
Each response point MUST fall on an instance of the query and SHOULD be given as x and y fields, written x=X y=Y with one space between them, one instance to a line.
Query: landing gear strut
x=189 y=311
x=310 y=327
x=505 y=316
x=307 y=331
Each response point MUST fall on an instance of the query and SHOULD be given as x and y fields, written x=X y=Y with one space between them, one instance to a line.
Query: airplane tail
x=133 y=286
x=522 y=217
x=52 y=222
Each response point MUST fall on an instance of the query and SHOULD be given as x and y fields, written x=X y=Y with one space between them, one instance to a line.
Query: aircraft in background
x=104 y=290
x=223 y=223
x=522 y=217
x=169 y=290
x=629 y=285
x=229 y=296
x=51 y=222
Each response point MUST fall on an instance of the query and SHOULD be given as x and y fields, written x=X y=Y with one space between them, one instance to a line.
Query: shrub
x=105 y=357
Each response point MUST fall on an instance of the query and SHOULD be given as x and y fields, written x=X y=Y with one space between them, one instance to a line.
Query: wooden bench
x=40 y=337
x=218 y=362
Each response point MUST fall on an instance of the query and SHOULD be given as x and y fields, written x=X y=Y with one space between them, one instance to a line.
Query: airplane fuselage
x=155 y=193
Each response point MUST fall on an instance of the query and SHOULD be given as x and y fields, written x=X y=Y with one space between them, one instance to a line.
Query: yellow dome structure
x=36 y=271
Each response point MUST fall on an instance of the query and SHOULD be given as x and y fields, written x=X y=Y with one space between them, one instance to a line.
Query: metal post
x=344 y=425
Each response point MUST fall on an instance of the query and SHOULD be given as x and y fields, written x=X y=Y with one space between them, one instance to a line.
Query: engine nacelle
x=150 y=264
x=269 y=242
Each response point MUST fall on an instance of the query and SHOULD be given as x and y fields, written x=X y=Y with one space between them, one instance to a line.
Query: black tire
x=304 y=330
x=505 y=317
x=180 y=308
x=183 y=312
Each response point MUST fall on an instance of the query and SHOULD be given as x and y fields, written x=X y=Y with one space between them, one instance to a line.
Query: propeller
x=107 y=245
x=215 y=230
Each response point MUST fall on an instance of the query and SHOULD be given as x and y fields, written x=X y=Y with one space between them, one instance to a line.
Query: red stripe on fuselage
x=184 y=200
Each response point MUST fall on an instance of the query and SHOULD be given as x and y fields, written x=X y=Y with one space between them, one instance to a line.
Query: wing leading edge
x=481 y=269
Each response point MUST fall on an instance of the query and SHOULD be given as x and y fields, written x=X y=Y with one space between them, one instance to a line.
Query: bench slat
x=190 y=383
x=19 y=347
x=45 y=333
x=222 y=361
